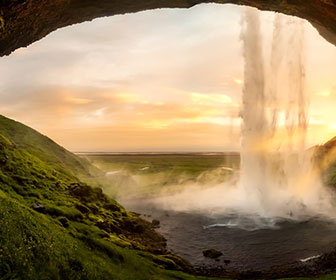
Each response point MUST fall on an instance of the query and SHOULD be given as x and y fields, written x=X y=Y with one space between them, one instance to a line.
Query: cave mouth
x=188 y=233
x=20 y=25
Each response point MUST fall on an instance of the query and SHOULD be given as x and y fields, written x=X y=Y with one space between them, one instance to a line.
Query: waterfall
x=276 y=173
x=277 y=178
x=253 y=108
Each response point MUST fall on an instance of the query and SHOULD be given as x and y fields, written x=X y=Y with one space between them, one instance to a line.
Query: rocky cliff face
x=24 y=21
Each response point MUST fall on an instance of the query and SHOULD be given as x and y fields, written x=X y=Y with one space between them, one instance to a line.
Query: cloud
x=210 y=99
x=165 y=78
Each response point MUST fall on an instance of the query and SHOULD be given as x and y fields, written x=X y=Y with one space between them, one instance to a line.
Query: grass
x=41 y=249
x=44 y=148
x=192 y=165
x=77 y=232
x=53 y=226
x=146 y=175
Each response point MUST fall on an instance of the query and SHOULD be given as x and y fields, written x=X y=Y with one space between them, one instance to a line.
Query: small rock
x=109 y=227
x=227 y=262
x=133 y=226
x=212 y=253
x=136 y=214
x=155 y=223
x=39 y=207
x=112 y=207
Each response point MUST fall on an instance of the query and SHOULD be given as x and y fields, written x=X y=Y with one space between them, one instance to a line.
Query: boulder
x=227 y=262
x=39 y=207
x=155 y=223
x=212 y=253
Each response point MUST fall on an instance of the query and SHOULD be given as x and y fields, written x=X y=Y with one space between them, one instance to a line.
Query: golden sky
x=162 y=80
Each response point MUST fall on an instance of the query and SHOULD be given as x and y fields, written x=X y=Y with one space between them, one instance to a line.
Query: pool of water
x=248 y=242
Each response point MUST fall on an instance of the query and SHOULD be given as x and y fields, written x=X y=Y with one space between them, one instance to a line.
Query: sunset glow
x=163 y=80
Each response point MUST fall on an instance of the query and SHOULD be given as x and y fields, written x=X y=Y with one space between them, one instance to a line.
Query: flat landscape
x=143 y=174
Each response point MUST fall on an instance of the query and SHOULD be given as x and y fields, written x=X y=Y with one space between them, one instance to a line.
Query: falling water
x=253 y=108
x=277 y=178
x=276 y=173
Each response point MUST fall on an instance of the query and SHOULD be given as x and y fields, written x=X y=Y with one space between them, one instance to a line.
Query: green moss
x=70 y=213
x=33 y=247
x=44 y=148
x=48 y=218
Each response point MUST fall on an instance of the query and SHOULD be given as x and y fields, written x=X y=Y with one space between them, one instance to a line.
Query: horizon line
x=155 y=152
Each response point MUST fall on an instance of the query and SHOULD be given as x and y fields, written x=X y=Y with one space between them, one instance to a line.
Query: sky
x=161 y=80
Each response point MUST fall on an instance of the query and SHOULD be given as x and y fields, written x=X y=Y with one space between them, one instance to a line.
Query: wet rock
x=227 y=262
x=86 y=193
x=112 y=207
x=134 y=226
x=155 y=223
x=212 y=253
x=109 y=227
x=39 y=208
x=173 y=262
x=136 y=214
x=181 y=263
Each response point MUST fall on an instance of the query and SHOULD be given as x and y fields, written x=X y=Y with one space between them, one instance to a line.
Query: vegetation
x=53 y=226
x=324 y=158
x=145 y=175
x=187 y=164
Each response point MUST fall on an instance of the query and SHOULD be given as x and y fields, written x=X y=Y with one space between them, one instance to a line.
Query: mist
x=277 y=178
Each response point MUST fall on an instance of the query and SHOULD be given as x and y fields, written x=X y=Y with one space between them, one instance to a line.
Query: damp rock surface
x=212 y=253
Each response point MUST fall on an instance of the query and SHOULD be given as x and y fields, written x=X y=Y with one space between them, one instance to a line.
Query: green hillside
x=52 y=226
x=44 y=148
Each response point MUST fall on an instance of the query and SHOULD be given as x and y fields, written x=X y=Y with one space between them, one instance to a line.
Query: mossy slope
x=44 y=148
x=52 y=226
